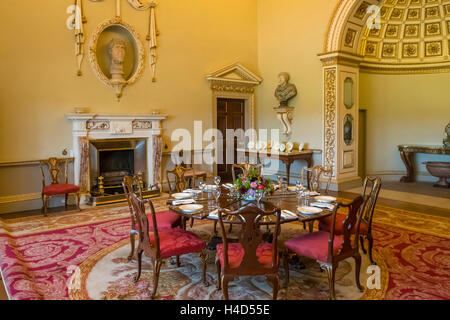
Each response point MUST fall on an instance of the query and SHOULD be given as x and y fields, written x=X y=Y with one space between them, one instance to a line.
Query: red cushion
x=176 y=242
x=314 y=245
x=236 y=254
x=55 y=189
x=165 y=220
x=325 y=225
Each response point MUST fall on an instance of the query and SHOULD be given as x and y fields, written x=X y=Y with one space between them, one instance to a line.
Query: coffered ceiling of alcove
x=413 y=34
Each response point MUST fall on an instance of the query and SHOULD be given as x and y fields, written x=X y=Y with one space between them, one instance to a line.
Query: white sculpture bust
x=117 y=51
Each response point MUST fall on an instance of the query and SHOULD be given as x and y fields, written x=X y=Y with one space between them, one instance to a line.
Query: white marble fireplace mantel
x=119 y=126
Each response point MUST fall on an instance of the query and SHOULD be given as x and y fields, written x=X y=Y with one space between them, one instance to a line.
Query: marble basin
x=439 y=170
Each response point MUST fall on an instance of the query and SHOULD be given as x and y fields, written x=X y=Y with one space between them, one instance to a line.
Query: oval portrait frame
x=139 y=65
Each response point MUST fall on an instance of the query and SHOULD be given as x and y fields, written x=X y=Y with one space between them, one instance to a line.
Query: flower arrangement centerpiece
x=249 y=184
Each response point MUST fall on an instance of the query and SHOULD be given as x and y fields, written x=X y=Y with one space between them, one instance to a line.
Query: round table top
x=278 y=200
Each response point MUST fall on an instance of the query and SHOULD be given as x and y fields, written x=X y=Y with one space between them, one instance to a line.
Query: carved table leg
x=288 y=170
x=408 y=160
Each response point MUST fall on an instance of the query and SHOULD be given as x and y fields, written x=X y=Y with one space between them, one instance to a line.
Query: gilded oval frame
x=140 y=51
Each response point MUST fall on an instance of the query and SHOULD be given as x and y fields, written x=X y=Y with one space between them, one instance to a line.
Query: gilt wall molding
x=330 y=103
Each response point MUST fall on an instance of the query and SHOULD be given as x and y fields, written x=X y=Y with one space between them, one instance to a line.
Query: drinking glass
x=279 y=180
x=306 y=200
x=217 y=180
x=284 y=187
x=202 y=187
x=259 y=194
x=217 y=193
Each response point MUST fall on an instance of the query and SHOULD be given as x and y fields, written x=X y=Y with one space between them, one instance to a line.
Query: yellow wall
x=37 y=63
x=291 y=34
x=403 y=109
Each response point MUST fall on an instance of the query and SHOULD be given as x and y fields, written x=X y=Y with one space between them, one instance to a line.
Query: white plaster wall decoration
x=116 y=54
x=153 y=32
x=75 y=22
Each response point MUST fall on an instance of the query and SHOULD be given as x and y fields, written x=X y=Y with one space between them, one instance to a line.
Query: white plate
x=292 y=188
x=289 y=147
x=282 y=147
x=211 y=187
x=188 y=208
x=325 y=199
x=309 y=210
x=251 y=145
x=263 y=145
x=275 y=146
x=183 y=195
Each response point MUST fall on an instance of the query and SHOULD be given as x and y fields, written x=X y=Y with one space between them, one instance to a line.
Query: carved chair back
x=130 y=185
x=352 y=222
x=54 y=169
x=372 y=186
x=250 y=237
x=314 y=175
x=244 y=168
x=145 y=243
x=181 y=183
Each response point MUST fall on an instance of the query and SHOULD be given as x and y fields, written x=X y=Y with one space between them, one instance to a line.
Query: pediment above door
x=234 y=78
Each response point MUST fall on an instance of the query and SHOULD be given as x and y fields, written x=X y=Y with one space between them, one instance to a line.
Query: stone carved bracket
x=285 y=115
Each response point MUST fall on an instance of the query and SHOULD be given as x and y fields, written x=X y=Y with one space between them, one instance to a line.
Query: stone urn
x=439 y=170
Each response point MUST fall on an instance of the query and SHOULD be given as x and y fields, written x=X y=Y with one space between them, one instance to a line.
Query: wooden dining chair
x=314 y=178
x=181 y=182
x=250 y=256
x=329 y=248
x=191 y=174
x=371 y=189
x=244 y=168
x=163 y=244
x=166 y=220
x=57 y=188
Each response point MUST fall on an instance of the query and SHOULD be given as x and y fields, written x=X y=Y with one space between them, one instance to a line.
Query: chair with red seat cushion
x=249 y=257
x=371 y=188
x=328 y=248
x=166 y=220
x=56 y=188
x=162 y=244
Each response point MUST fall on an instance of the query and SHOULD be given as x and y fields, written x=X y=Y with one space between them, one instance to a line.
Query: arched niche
x=375 y=36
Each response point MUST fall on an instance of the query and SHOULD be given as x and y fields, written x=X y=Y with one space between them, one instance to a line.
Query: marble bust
x=285 y=90
x=117 y=51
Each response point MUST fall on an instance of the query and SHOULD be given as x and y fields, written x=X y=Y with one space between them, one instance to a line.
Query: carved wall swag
x=76 y=20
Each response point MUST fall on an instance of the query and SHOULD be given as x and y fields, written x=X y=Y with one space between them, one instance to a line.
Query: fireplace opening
x=111 y=160
x=114 y=165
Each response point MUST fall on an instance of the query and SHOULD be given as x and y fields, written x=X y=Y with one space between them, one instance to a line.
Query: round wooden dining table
x=229 y=203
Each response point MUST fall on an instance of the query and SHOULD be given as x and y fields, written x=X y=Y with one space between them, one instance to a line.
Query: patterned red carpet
x=40 y=258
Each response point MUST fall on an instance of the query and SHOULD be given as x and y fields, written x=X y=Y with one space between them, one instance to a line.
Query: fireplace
x=111 y=160
x=108 y=146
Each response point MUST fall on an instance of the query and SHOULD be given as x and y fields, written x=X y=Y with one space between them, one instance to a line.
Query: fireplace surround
x=134 y=141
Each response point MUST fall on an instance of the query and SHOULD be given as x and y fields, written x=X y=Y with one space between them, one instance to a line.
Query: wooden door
x=230 y=115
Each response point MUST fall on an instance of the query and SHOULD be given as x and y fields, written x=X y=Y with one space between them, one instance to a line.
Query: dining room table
x=286 y=201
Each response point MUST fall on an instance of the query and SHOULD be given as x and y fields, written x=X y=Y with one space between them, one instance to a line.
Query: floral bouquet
x=247 y=185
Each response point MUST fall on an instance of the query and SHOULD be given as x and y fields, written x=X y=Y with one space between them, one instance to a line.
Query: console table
x=285 y=157
x=407 y=153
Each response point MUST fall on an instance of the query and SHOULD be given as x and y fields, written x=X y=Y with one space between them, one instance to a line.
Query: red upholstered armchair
x=330 y=248
x=163 y=244
x=56 y=188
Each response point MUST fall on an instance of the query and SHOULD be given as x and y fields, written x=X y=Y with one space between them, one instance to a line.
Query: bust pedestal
x=285 y=115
